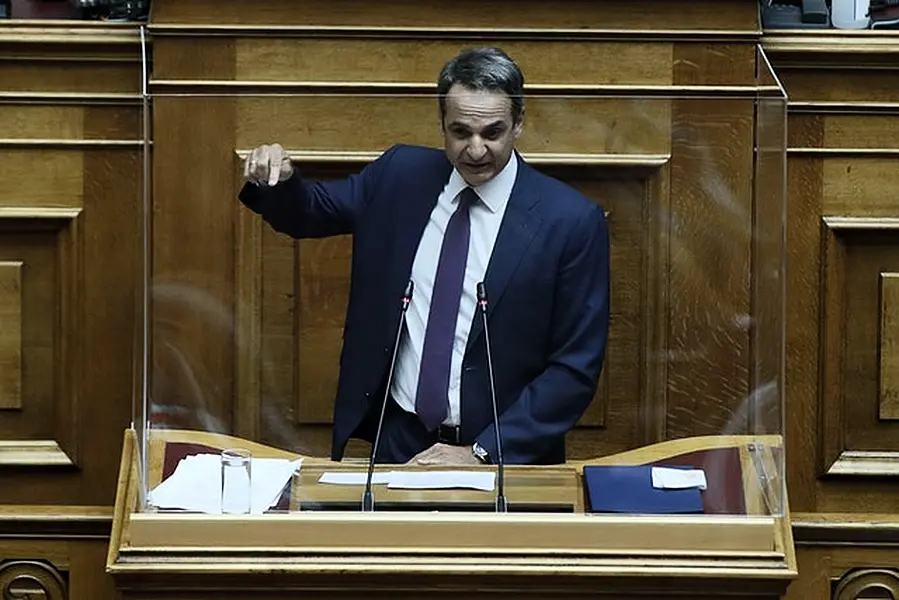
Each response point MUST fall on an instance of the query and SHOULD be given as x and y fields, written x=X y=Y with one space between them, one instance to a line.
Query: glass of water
x=237 y=480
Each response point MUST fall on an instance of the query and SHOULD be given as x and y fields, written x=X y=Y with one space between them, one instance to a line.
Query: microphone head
x=482 y=292
x=407 y=295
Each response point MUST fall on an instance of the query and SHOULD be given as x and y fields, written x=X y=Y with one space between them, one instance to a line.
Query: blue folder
x=629 y=490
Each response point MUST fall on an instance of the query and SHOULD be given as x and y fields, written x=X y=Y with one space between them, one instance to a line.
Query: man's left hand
x=444 y=454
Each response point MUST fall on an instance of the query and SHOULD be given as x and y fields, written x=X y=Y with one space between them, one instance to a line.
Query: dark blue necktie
x=432 y=399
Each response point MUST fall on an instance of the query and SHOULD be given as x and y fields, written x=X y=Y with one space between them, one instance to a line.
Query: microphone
x=368 y=501
x=501 y=504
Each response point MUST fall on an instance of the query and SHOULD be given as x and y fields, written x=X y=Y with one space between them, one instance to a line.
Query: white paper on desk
x=664 y=478
x=196 y=484
x=347 y=478
x=434 y=480
x=418 y=480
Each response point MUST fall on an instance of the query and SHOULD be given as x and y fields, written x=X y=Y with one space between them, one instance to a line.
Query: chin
x=478 y=178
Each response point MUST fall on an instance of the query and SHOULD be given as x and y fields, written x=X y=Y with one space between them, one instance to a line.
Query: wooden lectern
x=317 y=546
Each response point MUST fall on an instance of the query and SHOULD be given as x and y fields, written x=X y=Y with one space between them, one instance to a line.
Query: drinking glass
x=236 y=481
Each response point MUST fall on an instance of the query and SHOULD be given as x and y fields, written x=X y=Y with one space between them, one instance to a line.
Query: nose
x=476 y=149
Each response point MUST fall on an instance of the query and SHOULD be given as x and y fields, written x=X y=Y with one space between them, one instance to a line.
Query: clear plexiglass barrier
x=632 y=256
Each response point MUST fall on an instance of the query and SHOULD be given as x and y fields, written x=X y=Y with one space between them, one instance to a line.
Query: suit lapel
x=520 y=224
x=412 y=216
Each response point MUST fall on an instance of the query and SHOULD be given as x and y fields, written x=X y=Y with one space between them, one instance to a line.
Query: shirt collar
x=495 y=193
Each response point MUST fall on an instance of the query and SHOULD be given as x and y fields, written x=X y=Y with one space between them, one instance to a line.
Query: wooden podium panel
x=346 y=553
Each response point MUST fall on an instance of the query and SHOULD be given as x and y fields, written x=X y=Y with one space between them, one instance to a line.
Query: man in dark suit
x=448 y=220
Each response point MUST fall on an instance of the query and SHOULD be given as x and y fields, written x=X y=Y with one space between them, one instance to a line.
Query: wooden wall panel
x=366 y=122
x=46 y=246
x=443 y=16
x=11 y=335
x=70 y=157
x=59 y=180
x=842 y=250
x=859 y=253
x=55 y=552
x=411 y=60
x=888 y=327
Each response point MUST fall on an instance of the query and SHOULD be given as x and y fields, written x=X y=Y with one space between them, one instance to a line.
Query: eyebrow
x=495 y=125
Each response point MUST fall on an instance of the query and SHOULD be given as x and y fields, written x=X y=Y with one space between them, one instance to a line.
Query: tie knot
x=468 y=198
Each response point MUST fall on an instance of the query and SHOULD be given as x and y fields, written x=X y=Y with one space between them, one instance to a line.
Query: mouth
x=477 y=166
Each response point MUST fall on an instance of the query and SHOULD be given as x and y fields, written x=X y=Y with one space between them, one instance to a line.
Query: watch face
x=479 y=452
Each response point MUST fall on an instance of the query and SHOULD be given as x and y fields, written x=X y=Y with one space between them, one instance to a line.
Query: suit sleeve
x=304 y=209
x=553 y=402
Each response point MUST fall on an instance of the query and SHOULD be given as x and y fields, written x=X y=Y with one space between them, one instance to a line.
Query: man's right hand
x=267 y=165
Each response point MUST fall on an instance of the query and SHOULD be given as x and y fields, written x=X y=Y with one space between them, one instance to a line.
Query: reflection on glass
x=248 y=325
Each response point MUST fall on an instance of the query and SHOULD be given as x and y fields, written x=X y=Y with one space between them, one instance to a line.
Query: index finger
x=274 y=165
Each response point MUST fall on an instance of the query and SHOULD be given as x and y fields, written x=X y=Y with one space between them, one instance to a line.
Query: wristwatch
x=480 y=453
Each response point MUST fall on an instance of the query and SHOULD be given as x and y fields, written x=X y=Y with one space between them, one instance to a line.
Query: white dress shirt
x=486 y=217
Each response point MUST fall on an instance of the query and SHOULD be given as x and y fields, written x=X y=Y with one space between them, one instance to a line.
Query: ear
x=518 y=128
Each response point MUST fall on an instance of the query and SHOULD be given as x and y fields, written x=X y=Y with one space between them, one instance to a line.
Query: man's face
x=479 y=133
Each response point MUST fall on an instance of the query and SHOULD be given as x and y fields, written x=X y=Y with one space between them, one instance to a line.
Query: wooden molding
x=457 y=33
x=836 y=458
x=38 y=212
x=864 y=223
x=865 y=529
x=833 y=152
x=30 y=578
x=832 y=49
x=69 y=32
x=68 y=353
x=38 y=453
x=843 y=108
x=652 y=161
x=865 y=464
x=82 y=144
x=77 y=98
x=842 y=41
x=55 y=522
x=221 y=87
x=865 y=583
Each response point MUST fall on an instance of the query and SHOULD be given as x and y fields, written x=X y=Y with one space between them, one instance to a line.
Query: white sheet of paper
x=418 y=480
x=196 y=484
x=862 y=8
x=354 y=478
x=436 y=480
x=664 y=478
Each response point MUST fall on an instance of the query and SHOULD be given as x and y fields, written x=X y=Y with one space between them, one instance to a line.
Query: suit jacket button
x=368 y=394
x=386 y=350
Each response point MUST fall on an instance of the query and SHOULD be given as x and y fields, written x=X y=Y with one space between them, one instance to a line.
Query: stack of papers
x=196 y=484
x=417 y=480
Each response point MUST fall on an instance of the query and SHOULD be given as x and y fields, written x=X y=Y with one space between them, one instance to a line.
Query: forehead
x=477 y=107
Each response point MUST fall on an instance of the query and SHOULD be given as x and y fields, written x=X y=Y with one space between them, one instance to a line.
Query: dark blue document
x=629 y=490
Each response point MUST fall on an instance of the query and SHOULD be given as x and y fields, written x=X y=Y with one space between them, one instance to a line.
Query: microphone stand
x=501 y=504
x=368 y=501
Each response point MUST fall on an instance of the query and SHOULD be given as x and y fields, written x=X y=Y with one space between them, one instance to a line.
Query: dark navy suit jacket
x=547 y=282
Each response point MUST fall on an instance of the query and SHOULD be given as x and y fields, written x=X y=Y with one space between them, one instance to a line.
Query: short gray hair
x=488 y=69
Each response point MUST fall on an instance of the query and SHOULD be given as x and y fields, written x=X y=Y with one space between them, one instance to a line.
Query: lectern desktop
x=240 y=343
